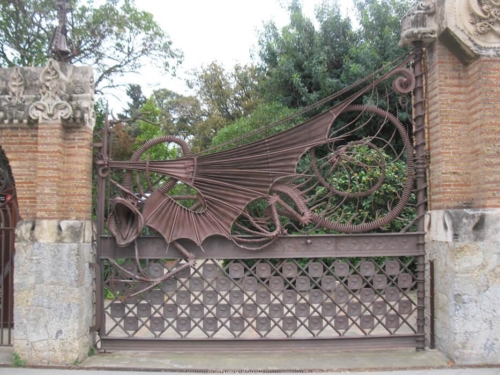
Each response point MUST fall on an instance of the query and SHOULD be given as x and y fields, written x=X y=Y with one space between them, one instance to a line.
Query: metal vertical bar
x=432 y=338
x=10 y=281
x=419 y=134
x=98 y=295
x=101 y=181
x=7 y=285
x=101 y=196
x=4 y=234
x=7 y=228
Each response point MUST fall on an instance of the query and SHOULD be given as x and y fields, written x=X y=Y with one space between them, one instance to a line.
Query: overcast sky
x=208 y=30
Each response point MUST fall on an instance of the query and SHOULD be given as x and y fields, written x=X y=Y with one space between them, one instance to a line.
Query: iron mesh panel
x=264 y=299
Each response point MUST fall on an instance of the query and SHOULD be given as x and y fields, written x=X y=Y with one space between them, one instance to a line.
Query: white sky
x=208 y=30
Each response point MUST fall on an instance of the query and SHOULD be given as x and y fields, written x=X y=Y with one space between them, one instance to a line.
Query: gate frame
x=226 y=249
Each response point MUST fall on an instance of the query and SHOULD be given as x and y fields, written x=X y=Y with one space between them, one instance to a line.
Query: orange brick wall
x=50 y=171
x=77 y=190
x=52 y=168
x=464 y=131
x=484 y=78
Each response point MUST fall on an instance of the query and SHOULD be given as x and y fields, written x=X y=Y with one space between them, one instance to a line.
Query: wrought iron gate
x=8 y=220
x=271 y=244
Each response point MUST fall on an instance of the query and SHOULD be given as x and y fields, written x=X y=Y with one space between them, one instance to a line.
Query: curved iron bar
x=407 y=188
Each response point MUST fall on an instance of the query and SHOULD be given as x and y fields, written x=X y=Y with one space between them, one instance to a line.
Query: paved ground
x=381 y=362
x=475 y=371
x=281 y=361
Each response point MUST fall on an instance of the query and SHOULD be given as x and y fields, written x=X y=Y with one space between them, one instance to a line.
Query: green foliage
x=178 y=114
x=163 y=113
x=148 y=131
x=114 y=37
x=91 y=351
x=121 y=142
x=378 y=36
x=224 y=96
x=303 y=63
x=263 y=115
x=137 y=100
x=18 y=361
x=107 y=273
x=360 y=173
x=108 y=293
x=228 y=94
x=379 y=32
x=306 y=61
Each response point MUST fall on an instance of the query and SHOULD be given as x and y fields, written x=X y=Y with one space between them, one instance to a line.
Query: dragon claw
x=305 y=219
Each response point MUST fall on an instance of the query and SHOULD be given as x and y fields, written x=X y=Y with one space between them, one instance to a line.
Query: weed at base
x=18 y=362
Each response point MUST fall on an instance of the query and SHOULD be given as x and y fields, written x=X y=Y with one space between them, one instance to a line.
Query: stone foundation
x=52 y=291
x=465 y=247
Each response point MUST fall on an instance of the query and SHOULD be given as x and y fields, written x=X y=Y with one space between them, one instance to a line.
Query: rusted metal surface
x=8 y=219
x=419 y=130
x=217 y=346
x=228 y=181
x=59 y=42
x=285 y=299
x=338 y=246
x=432 y=312
x=95 y=267
x=235 y=255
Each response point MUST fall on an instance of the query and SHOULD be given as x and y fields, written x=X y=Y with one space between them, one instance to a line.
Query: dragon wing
x=229 y=180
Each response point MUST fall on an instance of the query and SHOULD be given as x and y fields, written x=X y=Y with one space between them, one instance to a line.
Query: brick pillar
x=463 y=226
x=46 y=133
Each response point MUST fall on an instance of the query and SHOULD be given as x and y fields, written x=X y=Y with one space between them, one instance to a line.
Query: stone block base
x=52 y=291
x=465 y=247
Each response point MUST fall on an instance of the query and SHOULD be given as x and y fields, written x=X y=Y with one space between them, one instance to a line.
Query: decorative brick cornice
x=53 y=103
x=469 y=28
x=56 y=92
x=485 y=16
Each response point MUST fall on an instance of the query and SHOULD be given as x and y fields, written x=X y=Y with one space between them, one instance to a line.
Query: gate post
x=46 y=132
x=463 y=116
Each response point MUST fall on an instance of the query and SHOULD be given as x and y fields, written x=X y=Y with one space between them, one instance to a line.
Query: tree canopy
x=114 y=37
x=225 y=96
x=306 y=61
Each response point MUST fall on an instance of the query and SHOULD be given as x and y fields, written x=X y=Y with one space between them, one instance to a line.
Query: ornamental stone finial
x=419 y=24
x=16 y=86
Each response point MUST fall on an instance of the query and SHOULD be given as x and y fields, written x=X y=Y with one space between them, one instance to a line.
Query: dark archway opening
x=9 y=216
